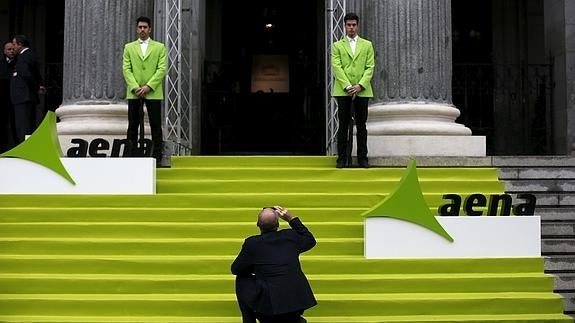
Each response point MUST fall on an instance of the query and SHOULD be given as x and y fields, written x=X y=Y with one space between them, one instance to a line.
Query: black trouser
x=248 y=314
x=7 y=126
x=360 y=117
x=24 y=120
x=293 y=317
x=154 y=108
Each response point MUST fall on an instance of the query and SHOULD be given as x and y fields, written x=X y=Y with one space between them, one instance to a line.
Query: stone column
x=412 y=112
x=94 y=103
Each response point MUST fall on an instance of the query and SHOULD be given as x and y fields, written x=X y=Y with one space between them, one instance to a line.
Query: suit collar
x=348 y=47
x=136 y=44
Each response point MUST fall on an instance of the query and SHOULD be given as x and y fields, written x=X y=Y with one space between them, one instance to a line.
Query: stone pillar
x=412 y=112
x=94 y=103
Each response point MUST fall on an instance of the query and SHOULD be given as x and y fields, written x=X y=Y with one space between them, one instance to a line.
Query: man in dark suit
x=25 y=85
x=270 y=284
x=7 y=62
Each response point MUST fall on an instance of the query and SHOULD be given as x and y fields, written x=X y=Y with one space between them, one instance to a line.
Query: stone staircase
x=552 y=180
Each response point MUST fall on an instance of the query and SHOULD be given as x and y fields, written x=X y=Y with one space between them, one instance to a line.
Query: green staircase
x=166 y=258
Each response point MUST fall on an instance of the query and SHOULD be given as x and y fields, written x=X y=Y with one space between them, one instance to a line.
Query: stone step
x=558 y=228
x=540 y=185
x=558 y=246
x=522 y=173
x=564 y=282
x=533 y=161
x=560 y=264
x=555 y=213
x=552 y=199
x=569 y=301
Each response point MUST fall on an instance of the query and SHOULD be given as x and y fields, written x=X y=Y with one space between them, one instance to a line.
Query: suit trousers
x=7 y=126
x=344 y=107
x=154 y=108
x=293 y=317
x=24 y=120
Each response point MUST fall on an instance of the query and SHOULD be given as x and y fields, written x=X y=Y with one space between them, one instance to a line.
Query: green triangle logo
x=43 y=147
x=406 y=203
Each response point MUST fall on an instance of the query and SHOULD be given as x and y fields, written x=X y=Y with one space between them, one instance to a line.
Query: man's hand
x=142 y=91
x=354 y=90
x=283 y=213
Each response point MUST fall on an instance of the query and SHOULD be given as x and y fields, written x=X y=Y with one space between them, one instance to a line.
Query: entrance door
x=264 y=78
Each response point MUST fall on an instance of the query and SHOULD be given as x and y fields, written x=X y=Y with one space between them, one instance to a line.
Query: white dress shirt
x=144 y=45
x=352 y=43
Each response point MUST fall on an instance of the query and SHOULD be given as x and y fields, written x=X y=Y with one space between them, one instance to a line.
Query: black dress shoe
x=363 y=163
x=341 y=164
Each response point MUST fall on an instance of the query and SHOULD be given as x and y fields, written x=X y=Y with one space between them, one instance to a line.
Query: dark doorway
x=472 y=66
x=263 y=78
x=502 y=83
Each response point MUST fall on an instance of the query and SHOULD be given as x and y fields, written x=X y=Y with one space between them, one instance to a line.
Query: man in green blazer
x=144 y=69
x=353 y=63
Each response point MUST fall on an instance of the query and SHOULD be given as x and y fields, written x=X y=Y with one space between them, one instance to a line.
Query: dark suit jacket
x=26 y=79
x=6 y=70
x=280 y=285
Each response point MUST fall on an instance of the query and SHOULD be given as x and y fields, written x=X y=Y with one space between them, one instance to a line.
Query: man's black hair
x=351 y=16
x=144 y=19
x=22 y=40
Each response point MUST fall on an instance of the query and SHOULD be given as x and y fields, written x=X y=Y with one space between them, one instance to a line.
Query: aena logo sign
x=43 y=147
x=406 y=202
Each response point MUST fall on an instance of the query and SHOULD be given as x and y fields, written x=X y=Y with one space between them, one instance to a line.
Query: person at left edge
x=144 y=68
x=25 y=86
x=7 y=131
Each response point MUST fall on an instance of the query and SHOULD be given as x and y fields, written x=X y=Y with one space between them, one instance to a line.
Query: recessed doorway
x=263 y=83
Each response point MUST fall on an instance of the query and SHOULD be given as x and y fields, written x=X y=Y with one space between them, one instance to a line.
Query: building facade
x=255 y=79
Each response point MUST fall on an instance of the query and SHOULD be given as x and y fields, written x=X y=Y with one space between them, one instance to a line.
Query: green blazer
x=142 y=70
x=352 y=69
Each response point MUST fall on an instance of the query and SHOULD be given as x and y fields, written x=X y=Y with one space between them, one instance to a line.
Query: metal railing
x=335 y=11
x=523 y=93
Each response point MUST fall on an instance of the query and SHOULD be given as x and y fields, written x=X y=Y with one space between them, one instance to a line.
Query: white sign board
x=92 y=176
x=474 y=237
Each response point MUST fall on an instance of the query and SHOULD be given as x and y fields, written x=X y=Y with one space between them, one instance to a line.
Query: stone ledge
x=444 y=146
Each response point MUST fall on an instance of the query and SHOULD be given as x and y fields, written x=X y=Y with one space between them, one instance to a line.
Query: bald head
x=268 y=220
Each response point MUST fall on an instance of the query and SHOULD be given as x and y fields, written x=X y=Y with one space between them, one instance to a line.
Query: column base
x=462 y=146
x=93 y=123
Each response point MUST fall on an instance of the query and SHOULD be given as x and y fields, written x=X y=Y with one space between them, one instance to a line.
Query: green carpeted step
x=163 y=230
x=157 y=246
x=253 y=161
x=322 y=284
x=197 y=200
x=328 y=304
x=207 y=200
x=168 y=214
x=182 y=265
x=334 y=174
x=479 y=318
x=434 y=304
x=318 y=186
x=331 y=174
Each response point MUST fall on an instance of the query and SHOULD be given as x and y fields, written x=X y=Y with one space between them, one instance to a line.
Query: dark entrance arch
x=263 y=86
